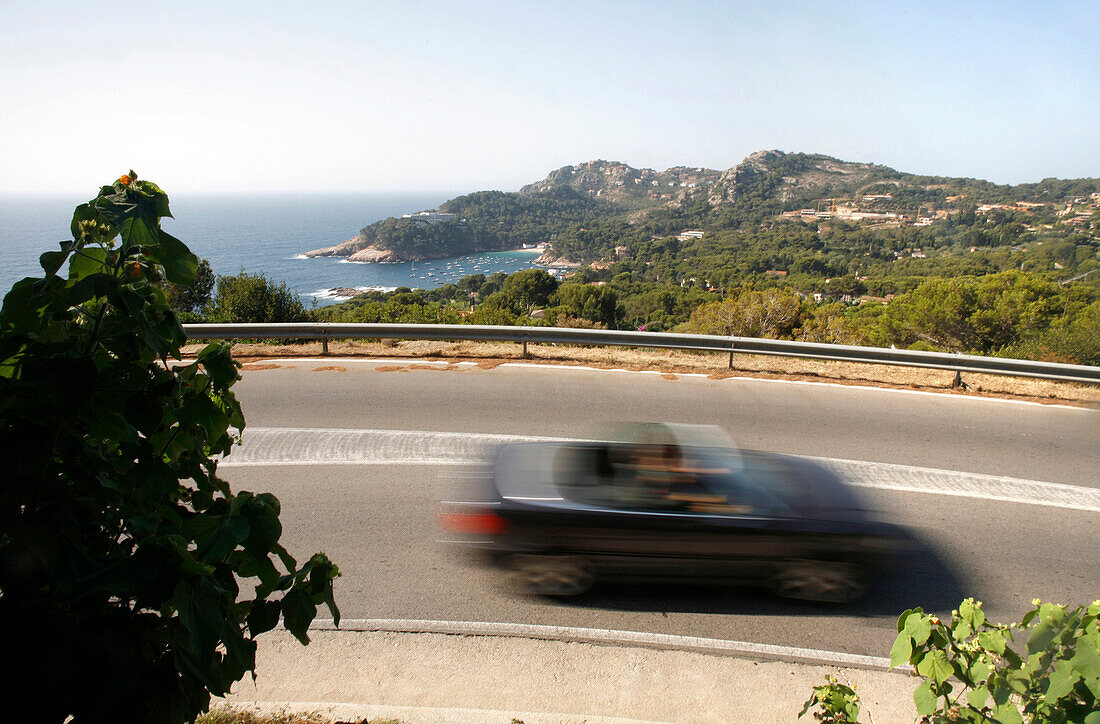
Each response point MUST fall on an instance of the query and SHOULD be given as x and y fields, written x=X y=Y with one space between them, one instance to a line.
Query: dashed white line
x=320 y=446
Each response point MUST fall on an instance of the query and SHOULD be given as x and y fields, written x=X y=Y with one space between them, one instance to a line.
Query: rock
x=375 y=256
x=345 y=292
x=755 y=165
x=346 y=248
x=552 y=259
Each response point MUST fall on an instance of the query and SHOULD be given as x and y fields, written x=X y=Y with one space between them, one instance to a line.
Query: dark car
x=668 y=503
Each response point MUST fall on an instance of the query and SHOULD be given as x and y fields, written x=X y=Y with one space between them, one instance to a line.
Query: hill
x=585 y=212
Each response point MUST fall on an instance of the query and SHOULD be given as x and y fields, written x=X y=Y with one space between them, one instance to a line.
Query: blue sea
x=259 y=234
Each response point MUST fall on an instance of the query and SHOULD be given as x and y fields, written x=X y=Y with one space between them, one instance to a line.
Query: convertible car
x=667 y=502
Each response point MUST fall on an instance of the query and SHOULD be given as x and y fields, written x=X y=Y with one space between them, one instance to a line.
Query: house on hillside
x=430 y=217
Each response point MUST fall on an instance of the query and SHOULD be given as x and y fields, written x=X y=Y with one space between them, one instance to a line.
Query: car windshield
x=668 y=478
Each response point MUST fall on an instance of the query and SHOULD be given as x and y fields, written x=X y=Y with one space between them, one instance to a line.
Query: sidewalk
x=419 y=678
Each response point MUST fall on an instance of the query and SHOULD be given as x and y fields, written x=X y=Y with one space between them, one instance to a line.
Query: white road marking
x=612 y=637
x=321 y=446
x=741 y=378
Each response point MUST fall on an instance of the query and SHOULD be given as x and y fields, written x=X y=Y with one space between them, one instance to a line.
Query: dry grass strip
x=487 y=355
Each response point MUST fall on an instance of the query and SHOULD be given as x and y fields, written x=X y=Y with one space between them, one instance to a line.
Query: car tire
x=821 y=581
x=546 y=575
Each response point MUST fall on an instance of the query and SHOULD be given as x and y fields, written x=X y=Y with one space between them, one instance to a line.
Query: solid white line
x=327 y=446
x=740 y=378
x=613 y=637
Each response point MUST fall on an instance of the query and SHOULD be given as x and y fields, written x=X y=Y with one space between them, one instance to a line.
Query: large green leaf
x=137 y=233
x=919 y=627
x=924 y=698
x=936 y=666
x=1062 y=680
x=51 y=261
x=298 y=613
x=977 y=697
x=1007 y=713
x=993 y=640
x=263 y=617
x=180 y=265
x=901 y=650
x=1042 y=634
x=87 y=261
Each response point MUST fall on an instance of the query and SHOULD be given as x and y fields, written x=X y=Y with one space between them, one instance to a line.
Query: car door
x=696 y=519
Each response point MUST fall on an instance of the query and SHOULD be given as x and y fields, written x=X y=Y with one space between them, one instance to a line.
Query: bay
x=259 y=234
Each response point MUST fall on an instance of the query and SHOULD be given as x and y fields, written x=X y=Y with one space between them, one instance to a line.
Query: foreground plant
x=972 y=673
x=837 y=703
x=122 y=553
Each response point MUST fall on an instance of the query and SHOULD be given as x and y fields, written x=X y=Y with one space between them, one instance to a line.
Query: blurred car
x=672 y=503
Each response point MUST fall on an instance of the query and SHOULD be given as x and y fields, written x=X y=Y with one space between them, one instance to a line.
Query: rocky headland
x=356 y=249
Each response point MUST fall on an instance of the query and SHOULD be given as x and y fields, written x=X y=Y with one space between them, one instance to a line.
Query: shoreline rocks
x=551 y=259
x=344 y=248
x=375 y=255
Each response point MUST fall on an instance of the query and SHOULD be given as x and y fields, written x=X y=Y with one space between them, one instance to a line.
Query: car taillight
x=480 y=522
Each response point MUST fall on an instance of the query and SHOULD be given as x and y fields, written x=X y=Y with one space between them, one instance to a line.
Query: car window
x=773 y=477
x=660 y=478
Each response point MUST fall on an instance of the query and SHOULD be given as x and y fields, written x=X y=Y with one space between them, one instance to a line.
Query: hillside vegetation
x=784 y=245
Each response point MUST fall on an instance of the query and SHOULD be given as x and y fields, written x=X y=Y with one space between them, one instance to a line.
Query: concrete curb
x=611 y=637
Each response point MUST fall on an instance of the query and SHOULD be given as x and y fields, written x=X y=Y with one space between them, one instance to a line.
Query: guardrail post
x=525 y=349
x=324 y=343
x=731 y=356
x=958 y=381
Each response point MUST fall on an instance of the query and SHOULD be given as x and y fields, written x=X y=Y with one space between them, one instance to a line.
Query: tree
x=193 y=300
x=123 y=555
x=976 y=314
x=530 y=288
x=827 y=324
x=598 y=304
x=772 y=313
x=254 y=298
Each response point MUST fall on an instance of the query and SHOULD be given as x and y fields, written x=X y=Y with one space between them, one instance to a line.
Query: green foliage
x=192 y=301
x=985 y=281
x=972 y=673
x=772 y=313
x=488 y=221
x=974 y=670
x=985 y=315
x=597 y=304
x=530 y=288
x=122 y=553
x=839 y=703
x=254 y=298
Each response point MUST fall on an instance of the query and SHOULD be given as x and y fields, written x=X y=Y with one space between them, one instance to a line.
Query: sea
x=266 y=234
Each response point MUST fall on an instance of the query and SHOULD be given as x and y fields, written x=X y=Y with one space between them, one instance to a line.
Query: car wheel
x=551 y=575
x=824 y=581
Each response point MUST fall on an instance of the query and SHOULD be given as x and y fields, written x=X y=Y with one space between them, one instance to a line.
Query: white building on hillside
x=430 y=217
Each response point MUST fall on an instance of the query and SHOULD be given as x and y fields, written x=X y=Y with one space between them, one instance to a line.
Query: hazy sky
x=460 y=96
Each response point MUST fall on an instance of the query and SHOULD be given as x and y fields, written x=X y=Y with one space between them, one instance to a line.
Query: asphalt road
x=377 y=521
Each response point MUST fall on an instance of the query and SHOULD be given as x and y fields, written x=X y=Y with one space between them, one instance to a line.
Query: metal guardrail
x=663 y=340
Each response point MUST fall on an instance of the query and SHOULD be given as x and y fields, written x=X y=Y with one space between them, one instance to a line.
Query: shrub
x=972 y=673
x=253 y=298
x=122 y=553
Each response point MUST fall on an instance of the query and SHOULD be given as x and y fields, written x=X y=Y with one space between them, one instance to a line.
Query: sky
x=258 y=97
